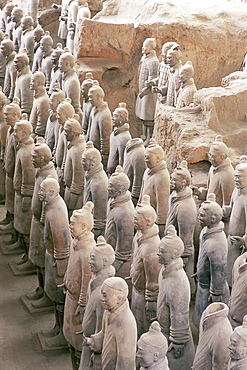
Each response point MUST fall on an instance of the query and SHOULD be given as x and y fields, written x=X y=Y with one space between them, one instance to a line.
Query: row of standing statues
x=91 y=210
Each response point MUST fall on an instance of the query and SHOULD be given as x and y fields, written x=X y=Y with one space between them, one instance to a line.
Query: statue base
x=17 y=272
x=31 y=309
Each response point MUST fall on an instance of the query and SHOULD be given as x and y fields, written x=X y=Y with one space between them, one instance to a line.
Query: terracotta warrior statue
x=146 y=100
x=57 y=241
x=70 y=80
x=22 y=86
x=145 y=265
x=24 y=179
x=156 y=183
x=238 y=217
x=188 y=88
x=7 y=48
x=86 y=105
x=73 y=169
x=173 y=304
x=40 y=110
x=71 y=24
x=214 y=338
x=41 y=159
x=95 y=189
x=134 y=166
x=182 y=214
x=64 y=112
x=100 y=122
x=238 y=299
x=101 y=259
x=56 y=75
x=220 y=176
x=46 y=45
x=3 y=134
x=27 y=41
x=16 y=17
x=119 y=138
x=77 y=278
x=119 y=231
x=211 y=265
x=78 y=9
x=117 y=338
x=152 y=349
x=2 y=62
x=63 y=29
x=38 y=33
x=52 y=126
x=5 y=18
x=12 y=114
x=173 y=58
x=159 y=84
x=238 y=347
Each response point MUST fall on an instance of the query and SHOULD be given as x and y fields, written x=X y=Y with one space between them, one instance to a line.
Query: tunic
x=100 y=128
x=134 y=166
x=118 y=140
x=119 y=231
x=237 y=226
x=24 y=178
x=57 y=241
x=71 y=89
x=156 y=184
x=87 y=107
x=23 y=91
x=37 y=60
x=76 y=280
x=37 y=248
x=27 y=42
x=214 y=339
x=96 y=184
x=211 y=269
x=148 y=70
x=186 y=93
x=144 y=273
x=92 y=319
x=173 y=312
x=173 y=84
x=238 y=299
x=117 y=339
x=40 y=112
x=10 y=77
x=9 y=165
x=74 y=173
x=46 y=66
